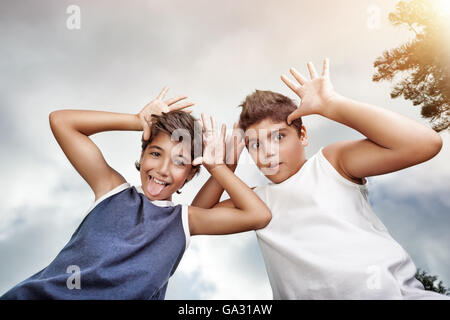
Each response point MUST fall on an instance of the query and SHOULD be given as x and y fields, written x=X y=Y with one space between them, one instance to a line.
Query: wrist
x=215 y=168
x=332 y=105
x=138 y=122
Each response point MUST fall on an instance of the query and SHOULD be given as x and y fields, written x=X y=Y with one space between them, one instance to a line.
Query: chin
x=276 y=179
x=274 y=175
x=279 y=177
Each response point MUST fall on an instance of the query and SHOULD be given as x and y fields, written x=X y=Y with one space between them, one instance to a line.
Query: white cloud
x=217 y=53
x=232 y=264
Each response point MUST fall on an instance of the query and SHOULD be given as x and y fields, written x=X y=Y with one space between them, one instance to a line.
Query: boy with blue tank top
x=133 y=238
x=324 y=241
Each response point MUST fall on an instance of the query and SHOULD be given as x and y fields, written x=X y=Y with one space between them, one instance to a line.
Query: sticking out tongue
x=154 y=188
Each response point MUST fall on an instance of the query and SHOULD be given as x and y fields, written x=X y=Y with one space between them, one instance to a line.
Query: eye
x=254 y=145
x=155 y=154
x=278 y=137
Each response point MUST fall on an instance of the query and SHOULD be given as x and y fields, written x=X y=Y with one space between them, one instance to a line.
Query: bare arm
x=393 y=141
x=243 y=212
x=210 y=193
x=72 y=129
x=248 y=211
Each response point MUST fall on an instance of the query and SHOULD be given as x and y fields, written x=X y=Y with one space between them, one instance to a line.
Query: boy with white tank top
x=324 y=241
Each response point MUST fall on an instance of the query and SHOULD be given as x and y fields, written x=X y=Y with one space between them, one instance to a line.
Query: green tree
x=423 y=63
x=429 y=282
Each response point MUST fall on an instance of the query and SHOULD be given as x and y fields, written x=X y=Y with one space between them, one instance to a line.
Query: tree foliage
x=423 y=63
x=429 y=282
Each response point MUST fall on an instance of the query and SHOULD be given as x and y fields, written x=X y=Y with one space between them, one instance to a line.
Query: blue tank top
x=127 y=247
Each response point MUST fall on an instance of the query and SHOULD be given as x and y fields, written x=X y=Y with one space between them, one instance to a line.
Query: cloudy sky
x=216 y=52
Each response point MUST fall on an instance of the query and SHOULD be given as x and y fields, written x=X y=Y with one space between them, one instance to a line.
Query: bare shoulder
x=110 y=183
x=333 y=153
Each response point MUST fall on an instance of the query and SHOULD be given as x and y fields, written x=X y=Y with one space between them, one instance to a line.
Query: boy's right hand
x=157 y=106
x=315 y=94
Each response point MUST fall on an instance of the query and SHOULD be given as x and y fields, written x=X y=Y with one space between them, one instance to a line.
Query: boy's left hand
x=213 y=145
x=315 y=94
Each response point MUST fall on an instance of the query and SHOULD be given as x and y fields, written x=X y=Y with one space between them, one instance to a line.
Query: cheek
x=290 y=151
x=285 y=152
x=148 y=163
x=179 y=175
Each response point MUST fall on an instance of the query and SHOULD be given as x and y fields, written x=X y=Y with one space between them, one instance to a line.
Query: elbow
x=433 y=145
x=264 y=219
x=58 y=118
x=437 y=143
x=426 y=148
x=51 y=117
x=54 y=118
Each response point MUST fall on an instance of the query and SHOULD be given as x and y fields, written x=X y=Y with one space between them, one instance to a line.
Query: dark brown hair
x=261 y=105
x=168 y=123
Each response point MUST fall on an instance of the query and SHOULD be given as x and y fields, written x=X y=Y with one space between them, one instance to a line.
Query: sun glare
x=444 y=6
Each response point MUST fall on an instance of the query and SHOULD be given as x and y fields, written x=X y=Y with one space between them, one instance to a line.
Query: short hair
x=167 y=123
x=261 y=105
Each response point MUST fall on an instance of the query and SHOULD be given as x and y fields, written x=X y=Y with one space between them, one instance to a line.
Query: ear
x=138 y=164
x=304 y=138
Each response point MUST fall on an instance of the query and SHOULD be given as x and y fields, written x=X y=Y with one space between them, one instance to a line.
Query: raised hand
x=314 y=93
x=234 y=145
x=213 y=145
x=157 y=106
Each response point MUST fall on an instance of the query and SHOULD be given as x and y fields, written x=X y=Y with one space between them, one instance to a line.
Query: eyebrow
x=156 y=147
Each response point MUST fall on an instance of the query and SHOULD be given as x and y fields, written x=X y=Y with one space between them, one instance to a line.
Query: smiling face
x=276 y=148
x=165 y=165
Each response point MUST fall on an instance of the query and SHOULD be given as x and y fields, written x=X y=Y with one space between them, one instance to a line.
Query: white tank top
x=325 y=242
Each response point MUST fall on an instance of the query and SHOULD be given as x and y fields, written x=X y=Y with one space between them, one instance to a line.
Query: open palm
x=158 y=106
x=314 y=93
x=213 y=145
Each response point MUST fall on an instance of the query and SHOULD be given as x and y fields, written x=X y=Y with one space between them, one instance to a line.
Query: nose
x=163 y=168
x=271 y=150
x=267 y=152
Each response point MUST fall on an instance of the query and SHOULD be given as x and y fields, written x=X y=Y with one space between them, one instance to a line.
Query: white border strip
x=185 y=220
x=110 y=193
